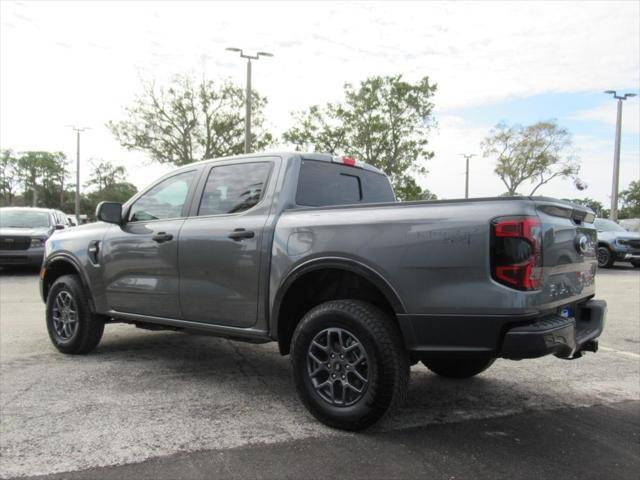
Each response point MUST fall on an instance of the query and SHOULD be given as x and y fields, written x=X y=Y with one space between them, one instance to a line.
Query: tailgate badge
x=582 y=243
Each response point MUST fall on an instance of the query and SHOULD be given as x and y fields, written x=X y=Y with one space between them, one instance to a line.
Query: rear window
x=323 y=183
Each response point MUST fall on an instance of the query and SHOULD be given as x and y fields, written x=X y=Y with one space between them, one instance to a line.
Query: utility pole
x=467 y=156
x=78 y=130
x=616 y=153
x=247 y=118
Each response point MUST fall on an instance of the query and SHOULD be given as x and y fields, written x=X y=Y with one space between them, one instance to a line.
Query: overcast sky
x=81 y=63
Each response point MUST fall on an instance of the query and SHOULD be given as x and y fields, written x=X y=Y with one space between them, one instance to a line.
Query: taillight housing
x=516 y=252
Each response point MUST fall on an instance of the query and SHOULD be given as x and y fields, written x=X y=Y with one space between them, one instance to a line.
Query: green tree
x=190 y=120
x=384 y=121
x=630 y=201
x=9 y=178
x=42 y=176
x=104 y=174
x=115 y=192
x=594 y=205
x=534 y=154
x=107 y=183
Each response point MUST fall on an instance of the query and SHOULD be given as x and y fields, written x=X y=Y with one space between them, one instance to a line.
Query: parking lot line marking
x=621 y=352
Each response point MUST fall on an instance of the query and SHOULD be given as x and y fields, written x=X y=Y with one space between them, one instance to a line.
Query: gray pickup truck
x=314 y=252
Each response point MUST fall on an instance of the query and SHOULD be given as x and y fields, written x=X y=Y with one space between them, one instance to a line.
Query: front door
x=221 y=245
x=140 y=258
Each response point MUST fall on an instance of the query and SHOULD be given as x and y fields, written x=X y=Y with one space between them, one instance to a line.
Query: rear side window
x=325 y=183
x=234 y=188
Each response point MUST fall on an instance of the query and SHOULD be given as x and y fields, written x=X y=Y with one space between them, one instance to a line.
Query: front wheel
x=72 y=327
x=349 y=364
x=635 y=263
x=458 y=367
x=605 y=258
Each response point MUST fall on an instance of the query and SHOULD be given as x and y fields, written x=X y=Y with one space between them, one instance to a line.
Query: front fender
x=64 y=263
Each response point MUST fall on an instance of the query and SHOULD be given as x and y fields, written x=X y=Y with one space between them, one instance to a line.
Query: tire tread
x=91 y=325
x=393 y=392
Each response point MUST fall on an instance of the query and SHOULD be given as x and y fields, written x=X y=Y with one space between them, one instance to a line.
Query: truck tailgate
x=569 y=243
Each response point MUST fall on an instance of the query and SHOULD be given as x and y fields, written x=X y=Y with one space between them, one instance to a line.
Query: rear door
x=140 y=258
x=222 y=244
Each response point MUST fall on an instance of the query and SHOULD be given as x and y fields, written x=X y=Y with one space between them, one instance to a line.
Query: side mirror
x=110 y=212
x=59 y=226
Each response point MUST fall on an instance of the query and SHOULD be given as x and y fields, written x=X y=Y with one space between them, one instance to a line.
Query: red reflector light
x=349 y=161
x=516 y=252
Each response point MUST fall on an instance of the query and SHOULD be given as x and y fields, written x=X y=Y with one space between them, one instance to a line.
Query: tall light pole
x=78 y=130
x=467 y=156
x=616 y=153
x=247 y=118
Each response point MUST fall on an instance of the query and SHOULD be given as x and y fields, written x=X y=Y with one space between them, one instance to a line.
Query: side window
x=324 y=183
x=327 y=183
x=165 y=200
x=234 y=188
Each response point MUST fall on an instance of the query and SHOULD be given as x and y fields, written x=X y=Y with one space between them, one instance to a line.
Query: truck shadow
x=249 y=370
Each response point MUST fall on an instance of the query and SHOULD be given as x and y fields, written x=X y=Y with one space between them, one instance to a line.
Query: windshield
x=608 y=226
x=23 y=219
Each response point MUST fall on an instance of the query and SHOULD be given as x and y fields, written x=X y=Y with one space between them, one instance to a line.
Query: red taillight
x=516 y=252
x=349 y=161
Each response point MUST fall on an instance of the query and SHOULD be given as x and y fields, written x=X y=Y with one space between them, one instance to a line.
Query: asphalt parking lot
x=168 y=405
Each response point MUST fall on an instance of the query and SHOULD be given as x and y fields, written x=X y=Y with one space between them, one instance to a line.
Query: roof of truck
x=323 y=157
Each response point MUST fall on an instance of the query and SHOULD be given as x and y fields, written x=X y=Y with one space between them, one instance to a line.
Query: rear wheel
x=635 y=263
x=605 y=258
x=349 y=364
x=72 y=327
x=458 y=367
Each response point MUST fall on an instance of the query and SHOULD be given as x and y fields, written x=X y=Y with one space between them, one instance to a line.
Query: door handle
x=241 y=233
x=161 y=237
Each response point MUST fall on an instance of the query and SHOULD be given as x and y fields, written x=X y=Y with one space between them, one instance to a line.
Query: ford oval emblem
x=582 y=243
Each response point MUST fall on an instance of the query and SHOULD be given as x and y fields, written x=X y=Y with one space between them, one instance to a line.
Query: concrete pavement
x=167 y=396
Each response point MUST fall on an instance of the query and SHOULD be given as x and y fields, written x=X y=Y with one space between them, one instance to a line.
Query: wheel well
x=318 y=286
x=55 y=270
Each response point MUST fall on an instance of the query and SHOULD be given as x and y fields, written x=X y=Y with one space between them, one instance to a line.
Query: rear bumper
x=513 y=337
x=32 y=257
x=563 y=337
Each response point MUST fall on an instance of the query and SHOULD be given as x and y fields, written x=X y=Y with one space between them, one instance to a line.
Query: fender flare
x=336 y=263
x=70 y=259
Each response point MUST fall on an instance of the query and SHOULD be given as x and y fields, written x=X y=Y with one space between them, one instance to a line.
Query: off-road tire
x=458 y=367
x=387 y=363
x=90 y=326
x=605 y=257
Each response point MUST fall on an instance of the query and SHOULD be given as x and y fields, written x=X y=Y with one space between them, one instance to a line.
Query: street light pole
x=247 y=115
x=78 y=130
x=467 y=156
x=616 y=153
x=247 y=118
